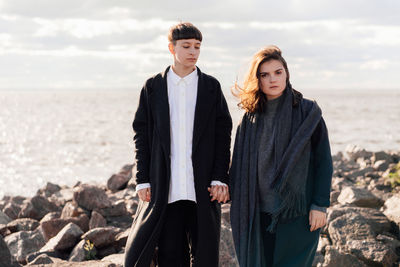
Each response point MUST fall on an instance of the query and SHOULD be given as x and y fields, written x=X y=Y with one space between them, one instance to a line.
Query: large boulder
x=12 y=210
x=91 y=197
x=23 y=243
x=71 y=209
x=117 y=182
x=359 y=197
x=48 y=190
x=65 y=239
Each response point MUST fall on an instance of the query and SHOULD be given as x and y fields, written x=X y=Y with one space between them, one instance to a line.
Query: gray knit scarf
x=294 y=124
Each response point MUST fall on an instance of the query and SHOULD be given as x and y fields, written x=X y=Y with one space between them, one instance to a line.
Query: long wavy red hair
x=252 y=99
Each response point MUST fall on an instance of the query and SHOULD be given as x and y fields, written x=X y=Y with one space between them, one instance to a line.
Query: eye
x=263 y=75
x=279 y=72
x=185 y=46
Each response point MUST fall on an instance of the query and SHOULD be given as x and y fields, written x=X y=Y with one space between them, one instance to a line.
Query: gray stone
x=91 y=197
x=71 y=209
x=79 y=253
x=392 y=209
x=117 y=208
x=102 y=236
x=4 y=219
x=118 y=259
x=372 y=252
x=23 y=243
x=381 y=165
x=353 y=152
x=381 y=155
x=96 y=220
x=51 y=227
x=42 y=259
x=5 y=255
x=66 y=238
x=12 y=210
x=22 y=224
x=334 y=258
x=360 y=197
x=48 y=190
x=117 y=182
x=36 y=208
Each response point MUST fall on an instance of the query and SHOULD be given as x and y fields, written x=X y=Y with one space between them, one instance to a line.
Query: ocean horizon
x=86 y=135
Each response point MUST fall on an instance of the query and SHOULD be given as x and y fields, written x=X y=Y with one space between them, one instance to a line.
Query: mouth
x=274 y=87
x=191 y=59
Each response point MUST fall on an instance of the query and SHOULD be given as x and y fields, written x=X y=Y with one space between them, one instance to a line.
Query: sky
x=104 y=44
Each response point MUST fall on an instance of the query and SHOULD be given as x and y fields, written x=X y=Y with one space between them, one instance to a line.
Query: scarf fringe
x=292 y=206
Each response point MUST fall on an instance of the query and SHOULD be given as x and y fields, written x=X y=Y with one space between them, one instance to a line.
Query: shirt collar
x=188 y=79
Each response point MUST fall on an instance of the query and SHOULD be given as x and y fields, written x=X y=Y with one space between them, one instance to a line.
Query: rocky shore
x=88 y=225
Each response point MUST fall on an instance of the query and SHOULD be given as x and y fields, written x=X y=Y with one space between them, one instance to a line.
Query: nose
x=272 y=78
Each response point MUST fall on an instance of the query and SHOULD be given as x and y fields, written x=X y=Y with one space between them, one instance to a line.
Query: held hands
x=317 y=219
x=219 y=193
x=145 y=194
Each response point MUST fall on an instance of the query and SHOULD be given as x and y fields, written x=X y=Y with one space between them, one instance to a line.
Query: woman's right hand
x=145 y=194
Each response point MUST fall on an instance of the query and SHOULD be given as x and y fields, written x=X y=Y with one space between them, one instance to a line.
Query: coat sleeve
x=223 y=129
x=323 y=168
x=141 y=138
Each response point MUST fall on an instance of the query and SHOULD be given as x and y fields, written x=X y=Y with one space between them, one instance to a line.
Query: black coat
x=210 y=157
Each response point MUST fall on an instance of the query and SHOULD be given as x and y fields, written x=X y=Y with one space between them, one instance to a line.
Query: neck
x=182 y=71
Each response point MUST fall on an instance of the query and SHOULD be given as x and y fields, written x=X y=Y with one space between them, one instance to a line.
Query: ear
x=171 y=48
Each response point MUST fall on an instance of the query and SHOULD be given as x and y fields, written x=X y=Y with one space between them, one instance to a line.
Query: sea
x=68 y=136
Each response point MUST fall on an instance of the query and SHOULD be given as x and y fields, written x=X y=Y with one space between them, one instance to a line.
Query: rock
x=359 y=172
x=392 y=209
x=66 y=238
x=63 y=196
x=48 y=190
x=51 y=227
x=106 y=251
x=4 y=219
x=5 y=255
x=374 y=218
x=71 y=209
x=51 y=254
x=227 y=255
x=117 y=182
x=91 y=197
x=4 y=231
x=359 y=197
x=120 y=221
x=79 y=253
x=42 y=259
x=92 y=263
x=381 y=165
x=381 y=155
x=131 y=206
x=102 y=236
x=115 y=258
x=51 y=216
x=126 y=194
x=22 y=224
x=96 y=220
x=373 y=252
x=334 y=258
x=23 y=243
x=12 y=210
x=36 y=208
x=318 y=259
x=354 y=152
x=121 y=238
x=117 y=208
x=334 y=197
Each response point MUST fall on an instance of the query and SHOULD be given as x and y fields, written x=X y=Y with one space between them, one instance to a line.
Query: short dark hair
x=184 y=30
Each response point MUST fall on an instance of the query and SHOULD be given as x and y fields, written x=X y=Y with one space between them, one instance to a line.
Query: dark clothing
x=303 y=141
x=269 y=200
x=178 y=238
x=210 y=156
x=268 y=238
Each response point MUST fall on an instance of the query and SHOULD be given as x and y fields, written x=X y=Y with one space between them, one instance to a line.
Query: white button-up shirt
x=182 y=95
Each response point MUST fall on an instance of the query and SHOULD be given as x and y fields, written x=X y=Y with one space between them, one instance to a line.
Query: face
x=272 y=78
x=186 y=52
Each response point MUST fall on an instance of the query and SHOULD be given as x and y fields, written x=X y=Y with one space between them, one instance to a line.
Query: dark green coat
x=295 y=245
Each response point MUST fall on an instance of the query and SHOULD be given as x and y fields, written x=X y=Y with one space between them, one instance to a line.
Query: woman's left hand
x=317 y=219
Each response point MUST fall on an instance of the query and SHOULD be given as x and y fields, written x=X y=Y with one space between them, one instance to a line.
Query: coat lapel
x=204 y=104
x=160 y=109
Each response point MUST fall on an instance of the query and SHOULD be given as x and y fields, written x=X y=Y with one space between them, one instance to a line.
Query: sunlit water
x=64 y=137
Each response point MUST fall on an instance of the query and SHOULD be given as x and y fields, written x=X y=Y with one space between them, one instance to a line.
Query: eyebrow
x=264 y=72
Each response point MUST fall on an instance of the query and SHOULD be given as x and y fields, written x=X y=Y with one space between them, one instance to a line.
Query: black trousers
x=268 y=239
x=177 y=243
